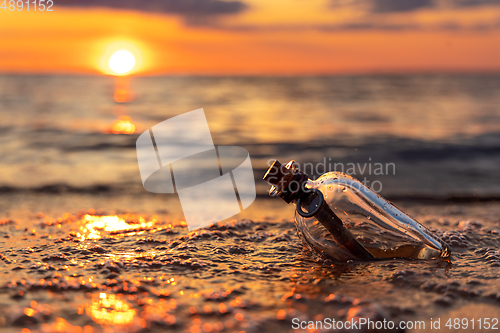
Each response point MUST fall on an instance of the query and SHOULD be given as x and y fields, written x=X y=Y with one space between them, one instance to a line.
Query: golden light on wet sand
x=110 y=310
x=94 y=226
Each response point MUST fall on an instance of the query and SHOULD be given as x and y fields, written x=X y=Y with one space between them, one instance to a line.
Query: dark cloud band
x=397 y=6
x=181 y=7
x=387 y=6
x=471 y=3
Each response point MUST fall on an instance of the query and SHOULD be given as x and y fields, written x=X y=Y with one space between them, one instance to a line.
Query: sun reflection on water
x=123 y=125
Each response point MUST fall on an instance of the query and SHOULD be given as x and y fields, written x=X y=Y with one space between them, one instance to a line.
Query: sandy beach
x=84 y=248
x=94 y=271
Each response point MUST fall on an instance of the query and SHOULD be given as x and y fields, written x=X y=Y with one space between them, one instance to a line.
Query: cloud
x=367 y=26
x=400 y=6
x=182 y=7
x=390 y=6
x=472 y=3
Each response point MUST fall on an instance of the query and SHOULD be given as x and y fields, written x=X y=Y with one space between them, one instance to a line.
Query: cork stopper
x=277 y=173
x=287 y=180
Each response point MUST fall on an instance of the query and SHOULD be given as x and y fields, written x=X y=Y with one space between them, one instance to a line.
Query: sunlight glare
x=122 y=62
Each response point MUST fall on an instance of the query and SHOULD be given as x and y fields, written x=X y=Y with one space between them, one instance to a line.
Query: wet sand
x=139 y=269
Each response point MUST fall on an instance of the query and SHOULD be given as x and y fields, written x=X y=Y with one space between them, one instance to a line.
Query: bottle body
x=376 y=224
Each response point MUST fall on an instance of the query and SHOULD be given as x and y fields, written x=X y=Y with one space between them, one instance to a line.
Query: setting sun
x=122 y=62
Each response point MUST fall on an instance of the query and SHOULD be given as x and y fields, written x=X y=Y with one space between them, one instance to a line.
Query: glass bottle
x=339 y=217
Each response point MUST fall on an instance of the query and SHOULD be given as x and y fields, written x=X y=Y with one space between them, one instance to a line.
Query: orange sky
x=271 y=37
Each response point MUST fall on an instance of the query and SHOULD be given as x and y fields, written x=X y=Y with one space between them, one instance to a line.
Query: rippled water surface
x=441 y=131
